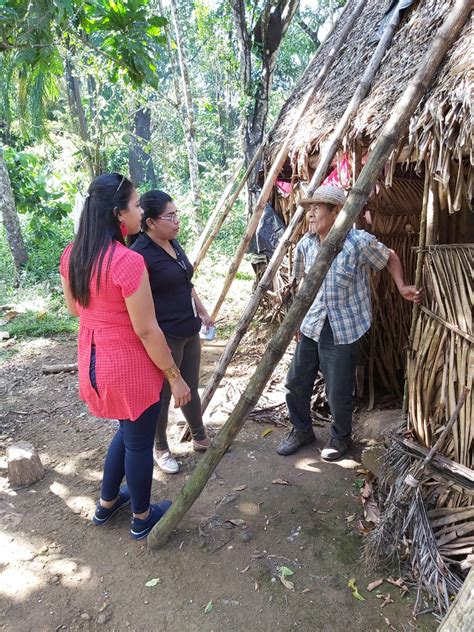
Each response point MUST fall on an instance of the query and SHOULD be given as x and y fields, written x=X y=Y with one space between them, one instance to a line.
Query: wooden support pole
x=393 y=129
x=420 y=257
x=280 y=161
x=460 y=616
x=196 y=253
x=327 y=157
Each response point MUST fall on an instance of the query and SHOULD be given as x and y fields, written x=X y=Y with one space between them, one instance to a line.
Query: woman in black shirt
x=179 y=313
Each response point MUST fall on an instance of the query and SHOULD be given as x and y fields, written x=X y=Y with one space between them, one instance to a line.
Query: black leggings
x=186 y=353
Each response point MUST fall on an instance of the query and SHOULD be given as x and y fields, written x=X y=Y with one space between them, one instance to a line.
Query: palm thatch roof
x=440 y=130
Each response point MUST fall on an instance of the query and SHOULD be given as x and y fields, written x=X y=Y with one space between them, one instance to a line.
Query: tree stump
x=24 y=464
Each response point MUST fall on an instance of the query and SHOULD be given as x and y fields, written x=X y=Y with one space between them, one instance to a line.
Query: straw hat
x=326 y=194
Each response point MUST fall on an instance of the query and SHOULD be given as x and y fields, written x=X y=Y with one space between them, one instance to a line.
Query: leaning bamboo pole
x=393 y=129
x=280 y=160
x=215 y=213
x=327 y=157
x=229 y=205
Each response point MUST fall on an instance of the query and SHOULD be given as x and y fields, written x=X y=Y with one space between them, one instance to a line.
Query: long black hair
x=153 y=204
x=99 y=227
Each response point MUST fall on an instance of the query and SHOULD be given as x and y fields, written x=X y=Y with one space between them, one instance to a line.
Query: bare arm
x=142 y=314
x=395 y=268
x=70 y=302
x=201 y=310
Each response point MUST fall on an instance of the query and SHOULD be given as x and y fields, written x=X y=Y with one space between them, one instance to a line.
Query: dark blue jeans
x=337 y=364
x=130 y=454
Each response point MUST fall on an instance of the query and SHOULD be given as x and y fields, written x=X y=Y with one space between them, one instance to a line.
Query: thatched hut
x=421 y=207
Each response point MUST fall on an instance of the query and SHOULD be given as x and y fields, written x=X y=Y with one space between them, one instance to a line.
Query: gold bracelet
x=172 y=373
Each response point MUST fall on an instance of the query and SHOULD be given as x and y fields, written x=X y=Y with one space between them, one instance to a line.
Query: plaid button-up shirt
x=344 y=296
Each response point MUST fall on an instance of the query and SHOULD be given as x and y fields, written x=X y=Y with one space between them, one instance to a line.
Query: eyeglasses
x=170 y=218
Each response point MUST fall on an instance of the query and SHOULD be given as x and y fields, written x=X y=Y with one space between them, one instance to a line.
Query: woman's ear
x=149 y=223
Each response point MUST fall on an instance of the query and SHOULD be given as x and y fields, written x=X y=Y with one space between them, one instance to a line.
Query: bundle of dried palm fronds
x=438 y=523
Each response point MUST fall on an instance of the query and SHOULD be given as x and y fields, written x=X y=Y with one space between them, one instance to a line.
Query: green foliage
x=117 y=51
x=33 y=324
x=128 y=35
x=43 y=207
x=41 y=311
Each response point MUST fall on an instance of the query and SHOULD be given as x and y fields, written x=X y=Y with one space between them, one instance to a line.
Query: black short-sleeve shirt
x=170 y=281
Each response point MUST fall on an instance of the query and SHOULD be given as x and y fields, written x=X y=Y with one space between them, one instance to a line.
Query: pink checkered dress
x=127 y=380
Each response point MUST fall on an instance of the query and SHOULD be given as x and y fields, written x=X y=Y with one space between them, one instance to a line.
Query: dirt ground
x=60 y=572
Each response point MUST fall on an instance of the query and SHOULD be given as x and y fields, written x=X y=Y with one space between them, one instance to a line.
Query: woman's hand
x=180 y=391
x=206 y=320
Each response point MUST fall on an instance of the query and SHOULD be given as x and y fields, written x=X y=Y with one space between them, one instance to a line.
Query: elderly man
x=338 y=318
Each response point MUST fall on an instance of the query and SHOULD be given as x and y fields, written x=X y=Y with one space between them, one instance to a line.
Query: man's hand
x=297 y=336
x=410 y=293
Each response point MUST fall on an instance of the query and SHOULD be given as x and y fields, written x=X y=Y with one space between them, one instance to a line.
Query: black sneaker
x=334 y=449
x=295 y=440
x=141 y=528
x=103 y=515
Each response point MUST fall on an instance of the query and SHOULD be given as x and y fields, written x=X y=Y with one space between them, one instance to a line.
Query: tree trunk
x=394 y=128
x=188 y=117
x=78 y=117
x=10 y=218
x=272 y=26
x=140 y=162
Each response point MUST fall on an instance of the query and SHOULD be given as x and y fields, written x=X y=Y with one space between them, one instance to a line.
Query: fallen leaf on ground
x=10 y=315
x=386 y=599
x=371 y=511
x=152 y=582
x=400 y=583
x=285 y=571
x=375 y=584
x=286 y=583
x=256 y=586
x=355 y=591
x=363 y=529
x=266 y=432
x=280 y=481
x=240 y=488
x=245 y=569
x=237 y=522
x=209 y=607
x=350 y=518
x=306 y=590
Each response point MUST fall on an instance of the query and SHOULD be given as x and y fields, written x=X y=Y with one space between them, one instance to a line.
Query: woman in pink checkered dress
x=122 y=352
